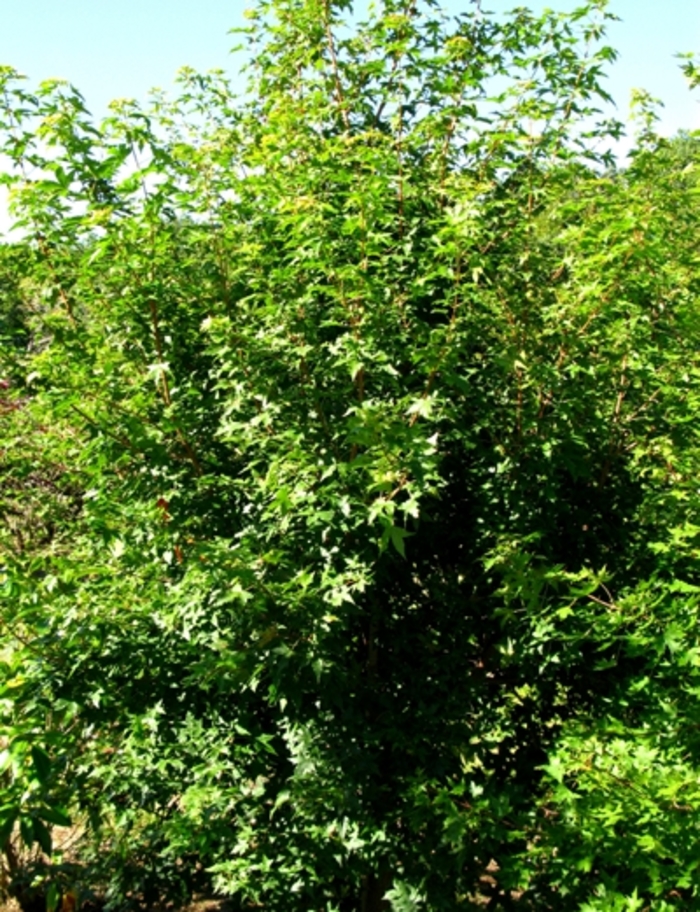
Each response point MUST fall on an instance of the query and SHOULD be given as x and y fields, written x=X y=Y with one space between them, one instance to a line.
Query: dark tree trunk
x=375 y=886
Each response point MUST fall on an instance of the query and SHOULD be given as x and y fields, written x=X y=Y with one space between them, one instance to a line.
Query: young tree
x=368 y=398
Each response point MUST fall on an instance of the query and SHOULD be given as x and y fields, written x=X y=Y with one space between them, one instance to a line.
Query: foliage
x=351 y=476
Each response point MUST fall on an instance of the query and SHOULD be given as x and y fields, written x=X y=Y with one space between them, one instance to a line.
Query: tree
x=368 y=399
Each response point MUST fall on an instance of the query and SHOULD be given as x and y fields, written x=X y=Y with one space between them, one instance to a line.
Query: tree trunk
x=374 y=888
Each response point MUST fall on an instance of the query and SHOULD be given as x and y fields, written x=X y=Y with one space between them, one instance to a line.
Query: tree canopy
x=349 y=478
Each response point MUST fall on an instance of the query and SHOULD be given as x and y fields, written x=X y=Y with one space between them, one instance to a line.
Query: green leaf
x=42 y=763
x=53 y=897
x=55 y=815
x=398 y=536
x=26 y=829
x=42 y=835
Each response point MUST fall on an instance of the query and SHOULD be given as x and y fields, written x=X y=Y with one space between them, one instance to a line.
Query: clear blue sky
x=121 y=49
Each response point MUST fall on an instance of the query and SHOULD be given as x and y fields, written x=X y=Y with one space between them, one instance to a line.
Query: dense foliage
x=349 y=478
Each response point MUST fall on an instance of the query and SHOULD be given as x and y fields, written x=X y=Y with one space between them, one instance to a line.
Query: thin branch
x=339 y=95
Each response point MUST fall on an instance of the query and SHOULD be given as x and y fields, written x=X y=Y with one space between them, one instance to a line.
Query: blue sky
x=111 y=50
